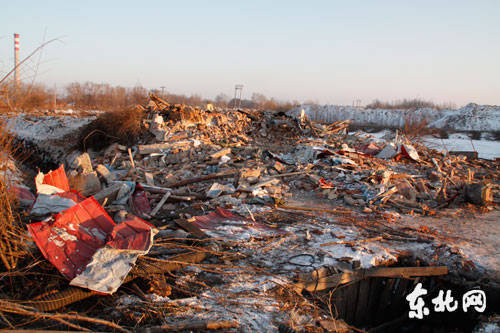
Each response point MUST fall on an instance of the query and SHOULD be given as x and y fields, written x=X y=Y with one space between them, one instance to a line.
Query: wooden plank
x=339 y=301
x=399 y=303
x=161 y=203
x=384 y=301
x=368 y=240
x=222 y=174
x=191 y=228
x=327 y=282
x=373 y=300
x=352 y=302
x=109 y=193
x=361 y=311
x=131 y=158
x=324 y=283
x=468 y=154
x=195 y=325
x=406 y=272
x=156 y=148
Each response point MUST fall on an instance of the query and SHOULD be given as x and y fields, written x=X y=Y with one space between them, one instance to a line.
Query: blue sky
x=327 y=51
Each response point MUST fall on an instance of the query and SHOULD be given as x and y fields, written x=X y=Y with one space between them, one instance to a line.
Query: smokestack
x=16 y=59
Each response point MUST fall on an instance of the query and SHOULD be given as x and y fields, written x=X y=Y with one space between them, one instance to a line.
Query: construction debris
x=250 y=205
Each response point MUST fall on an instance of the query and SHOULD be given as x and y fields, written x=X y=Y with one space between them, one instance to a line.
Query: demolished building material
x=262 y=213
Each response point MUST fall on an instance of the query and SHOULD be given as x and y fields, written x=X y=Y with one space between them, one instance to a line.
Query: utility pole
x=54 y=101
x=162 y=91
x=16 y=60
x=237 y=88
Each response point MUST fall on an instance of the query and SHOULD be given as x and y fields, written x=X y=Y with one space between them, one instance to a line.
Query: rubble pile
x=245 y=157
x=245 y=203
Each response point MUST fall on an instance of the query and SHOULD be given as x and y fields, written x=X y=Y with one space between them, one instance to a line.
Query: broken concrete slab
x=104 y=172
x=80 y=162
x=479 y=194
x=388 y=152
x=88 y=184
x=217 y=189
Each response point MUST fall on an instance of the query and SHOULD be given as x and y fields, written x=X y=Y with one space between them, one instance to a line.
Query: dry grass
x=66 y=319
x=123 y=126
x=12 y=237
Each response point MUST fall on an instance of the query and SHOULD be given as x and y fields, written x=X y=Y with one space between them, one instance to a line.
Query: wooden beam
x=331 y=281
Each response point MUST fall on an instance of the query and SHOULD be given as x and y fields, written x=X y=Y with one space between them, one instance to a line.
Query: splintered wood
x=319 y=280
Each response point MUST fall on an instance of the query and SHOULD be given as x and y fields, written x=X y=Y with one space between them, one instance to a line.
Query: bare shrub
x=406 y=104
x=447 y=106
x=260 y=101
x=476 y=135
x=415 y=127
x=123 y=126
x=26 y=97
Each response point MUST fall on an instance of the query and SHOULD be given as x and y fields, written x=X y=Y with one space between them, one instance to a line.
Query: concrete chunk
x=104 y=172
x=109 y=192
x=80 y=161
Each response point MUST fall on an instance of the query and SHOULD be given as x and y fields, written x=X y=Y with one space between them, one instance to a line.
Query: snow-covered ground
x=245 y=293
x=487 y=149
x=36 y=128
x=472 y=117
x=43 y=131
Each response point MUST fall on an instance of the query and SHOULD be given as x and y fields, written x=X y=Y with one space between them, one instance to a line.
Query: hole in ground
x=379 y=305
x=32 y=157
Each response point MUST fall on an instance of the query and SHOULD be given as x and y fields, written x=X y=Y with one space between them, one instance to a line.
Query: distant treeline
x=103 y=96
x=406 y=104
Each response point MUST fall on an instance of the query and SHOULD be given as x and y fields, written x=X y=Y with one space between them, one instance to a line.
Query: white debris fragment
x=50 y=204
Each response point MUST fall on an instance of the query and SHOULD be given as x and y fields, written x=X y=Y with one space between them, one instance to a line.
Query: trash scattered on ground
x=241 y=220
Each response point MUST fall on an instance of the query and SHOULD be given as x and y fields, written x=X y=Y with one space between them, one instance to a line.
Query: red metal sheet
x=73 y=195
x=325 y=184
x=215 y=218
x=370 y=148
x=132 y=234
x=57 y=178
x=221 y=215
x=140 y=202
x=70 y=238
